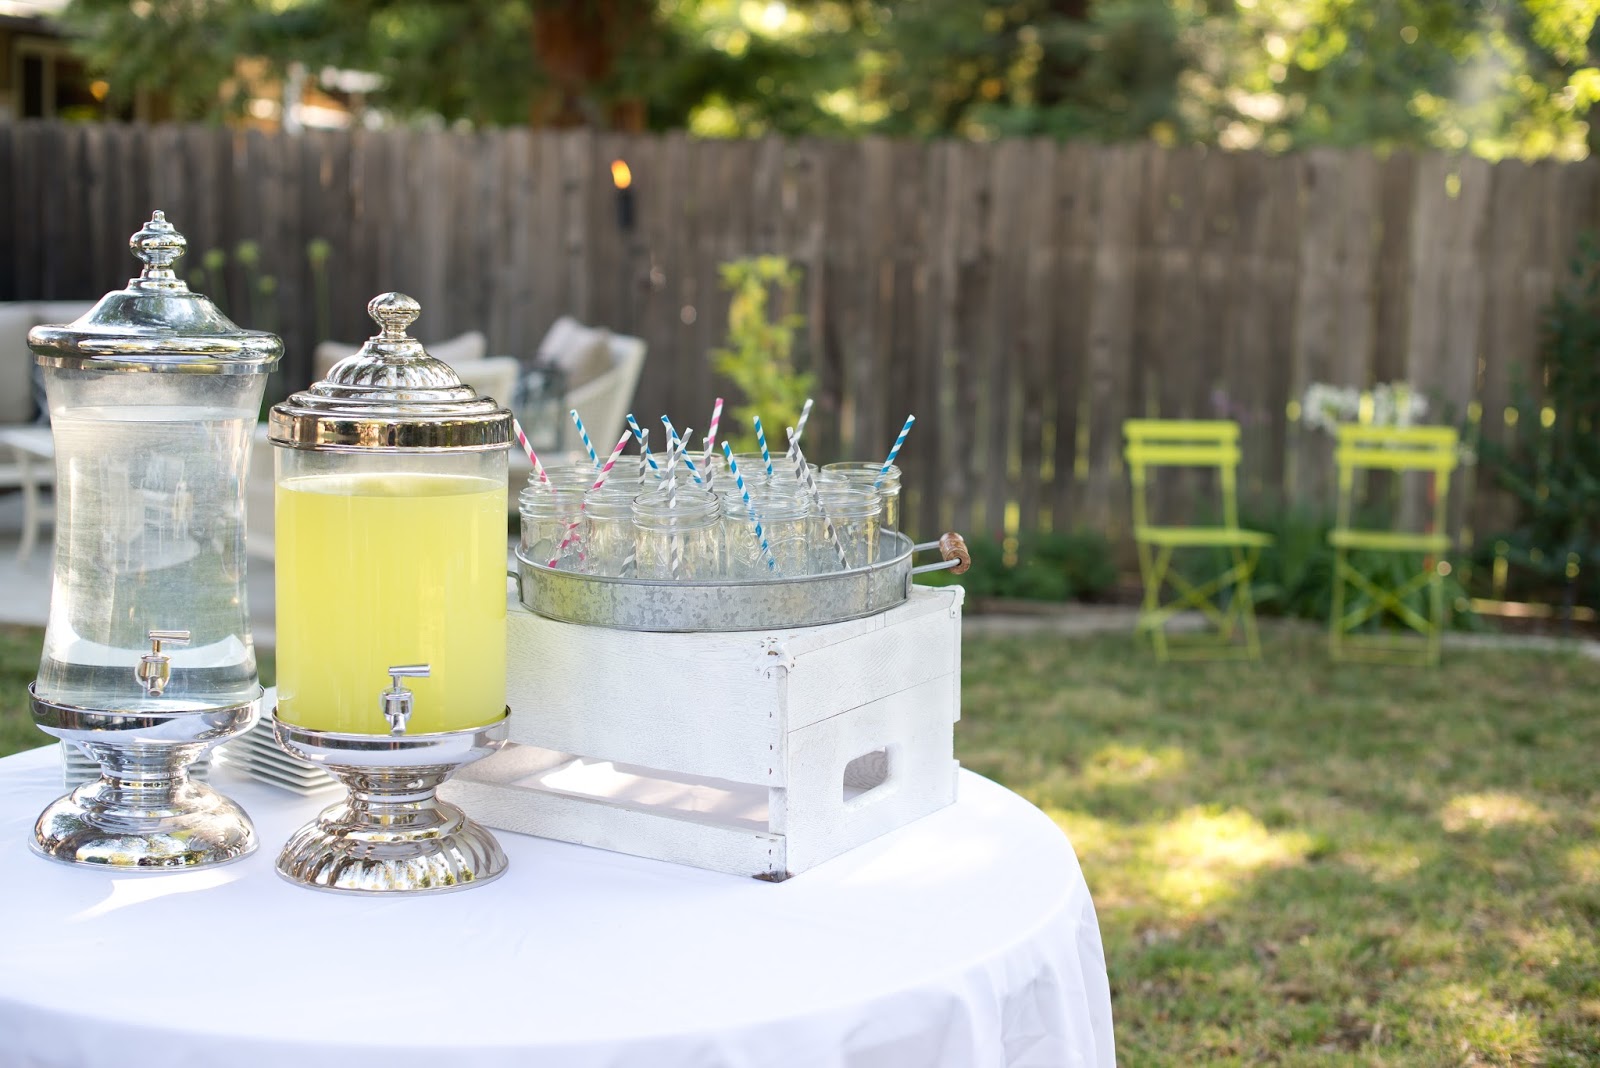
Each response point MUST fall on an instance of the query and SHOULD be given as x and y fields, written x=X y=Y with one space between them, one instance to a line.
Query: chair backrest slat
x=1212 y=443
x=1432 y=449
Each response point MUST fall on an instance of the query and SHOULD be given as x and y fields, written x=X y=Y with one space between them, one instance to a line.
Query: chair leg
x=1245 y=563
x=1436 y=615
x=1150 y=612
x=1336 y=617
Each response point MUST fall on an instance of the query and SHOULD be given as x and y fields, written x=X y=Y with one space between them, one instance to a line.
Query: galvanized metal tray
x=681 y=607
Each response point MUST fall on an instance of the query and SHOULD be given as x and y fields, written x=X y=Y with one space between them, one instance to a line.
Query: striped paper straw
x=674 y=546
x=755 y=520
x=683 y=449
x=527 y=447
x=894 y=451
x=802 y=471
x=766 y=457
x=711 y=434
x=644 y=446
x=572 y=527
x=577 y=420
x=800 y=427
x=711 y=440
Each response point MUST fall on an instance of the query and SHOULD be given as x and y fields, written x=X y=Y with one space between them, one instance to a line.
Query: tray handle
x=951 y=546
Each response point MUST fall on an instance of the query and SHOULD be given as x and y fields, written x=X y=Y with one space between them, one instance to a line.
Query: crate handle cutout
x=866 y=776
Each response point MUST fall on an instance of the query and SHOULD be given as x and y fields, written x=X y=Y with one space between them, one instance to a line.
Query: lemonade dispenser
x=391 y=599
x=148 y=660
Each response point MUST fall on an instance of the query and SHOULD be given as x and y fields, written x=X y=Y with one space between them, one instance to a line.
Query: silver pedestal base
x=144 y=813
x=392 y=834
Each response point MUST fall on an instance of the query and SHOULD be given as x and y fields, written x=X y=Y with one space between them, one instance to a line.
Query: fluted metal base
x=392 y=834
x=144 y=813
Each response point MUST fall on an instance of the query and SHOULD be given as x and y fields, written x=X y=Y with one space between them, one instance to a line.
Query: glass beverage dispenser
x=148 y=660
x=391 y=572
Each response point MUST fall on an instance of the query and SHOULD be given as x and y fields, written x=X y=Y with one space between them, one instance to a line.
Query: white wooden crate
x=757 y=753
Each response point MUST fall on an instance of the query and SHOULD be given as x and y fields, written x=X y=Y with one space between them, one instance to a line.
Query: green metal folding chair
x=1158 y=443
x=1428 y=449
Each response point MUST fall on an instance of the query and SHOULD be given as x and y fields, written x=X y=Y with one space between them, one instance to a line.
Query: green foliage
x=760 y=355
x=1488 y=76
x=1550 y=459
x=1295 y=575
x=1062 y=566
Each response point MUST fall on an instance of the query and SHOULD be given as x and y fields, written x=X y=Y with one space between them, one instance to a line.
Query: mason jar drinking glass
x=872 y=476
x=785 y=516
x=549 y=516
x=607 y=529
x=679 y=540
x=854 y=513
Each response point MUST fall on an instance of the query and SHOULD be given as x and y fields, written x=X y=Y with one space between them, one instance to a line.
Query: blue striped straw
x=766 y=457
x=683 y=449
x=883 y=473
x=594 y=457
x=755 y=520
x=644 y=445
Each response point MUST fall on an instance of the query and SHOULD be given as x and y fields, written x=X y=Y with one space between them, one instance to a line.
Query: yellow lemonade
x=376 y=570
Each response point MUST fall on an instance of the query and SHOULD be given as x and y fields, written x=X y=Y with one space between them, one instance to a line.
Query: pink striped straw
x=711 y=435
x=527 y=447
x=572 y=527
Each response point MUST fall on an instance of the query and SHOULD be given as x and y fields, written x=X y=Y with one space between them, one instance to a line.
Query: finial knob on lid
x=393 y=312
x=158 y=245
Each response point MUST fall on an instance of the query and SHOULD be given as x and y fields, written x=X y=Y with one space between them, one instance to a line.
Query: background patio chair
x=1208 y=444
x=1431 y=450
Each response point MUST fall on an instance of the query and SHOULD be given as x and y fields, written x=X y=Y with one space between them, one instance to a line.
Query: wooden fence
x=1021 y=297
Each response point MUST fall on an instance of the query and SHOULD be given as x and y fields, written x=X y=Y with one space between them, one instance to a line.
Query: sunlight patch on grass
x=1122 y=765
x=1490 y=810
x=1487 y=1026
x=1583 y=863
x=1204 y=854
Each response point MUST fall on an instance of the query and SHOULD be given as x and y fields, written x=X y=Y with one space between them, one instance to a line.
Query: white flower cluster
x=1386 y=404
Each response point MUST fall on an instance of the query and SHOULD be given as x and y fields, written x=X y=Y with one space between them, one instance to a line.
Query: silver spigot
x=155 y=667
x=395 y=702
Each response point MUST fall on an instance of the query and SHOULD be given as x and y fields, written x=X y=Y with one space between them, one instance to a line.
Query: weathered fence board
x=1022 y=297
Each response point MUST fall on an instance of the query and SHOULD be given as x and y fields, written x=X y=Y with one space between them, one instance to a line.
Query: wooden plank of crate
x=677 y=839
x=844 y=675
x=683 y=704
x=918 y=776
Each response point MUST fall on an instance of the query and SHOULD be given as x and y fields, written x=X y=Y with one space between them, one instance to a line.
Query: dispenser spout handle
x=396 y=702
x=155 y=667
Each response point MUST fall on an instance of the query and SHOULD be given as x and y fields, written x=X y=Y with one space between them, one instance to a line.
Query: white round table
x=966 y=939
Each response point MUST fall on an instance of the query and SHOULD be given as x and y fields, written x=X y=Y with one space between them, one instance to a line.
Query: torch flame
x=621 y=176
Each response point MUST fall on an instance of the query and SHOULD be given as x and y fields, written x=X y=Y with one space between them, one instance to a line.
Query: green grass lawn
x=1298 y=863
x=1295 y=863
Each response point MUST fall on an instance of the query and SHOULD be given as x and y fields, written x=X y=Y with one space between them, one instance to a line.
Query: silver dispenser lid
x=390 y=395
x=156 y=324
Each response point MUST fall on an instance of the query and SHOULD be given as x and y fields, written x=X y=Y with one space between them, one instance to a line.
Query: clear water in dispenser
x=151 y=536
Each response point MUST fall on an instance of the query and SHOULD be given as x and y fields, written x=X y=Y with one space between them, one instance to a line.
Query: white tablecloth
x=965 y=939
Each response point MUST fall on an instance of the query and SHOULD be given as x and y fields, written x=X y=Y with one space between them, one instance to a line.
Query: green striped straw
x=755 y=520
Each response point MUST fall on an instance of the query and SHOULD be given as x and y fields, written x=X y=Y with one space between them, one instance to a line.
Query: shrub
x=1550 y=458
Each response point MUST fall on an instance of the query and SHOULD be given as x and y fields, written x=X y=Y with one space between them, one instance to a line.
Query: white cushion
x=583 y=353
x=495 y=377
x=61 y=311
